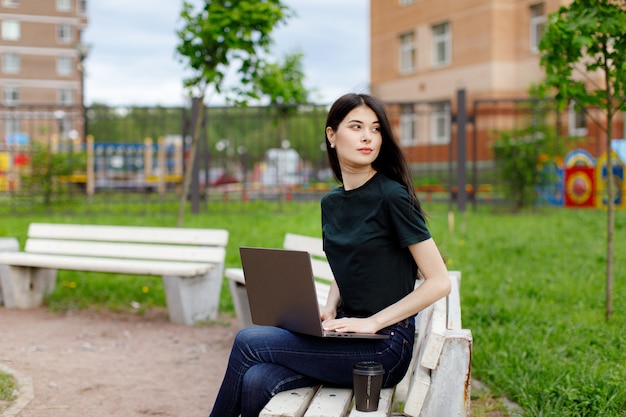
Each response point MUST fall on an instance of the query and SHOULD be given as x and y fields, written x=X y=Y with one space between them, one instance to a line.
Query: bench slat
x=292 y=403
x=330 y=402
x=313 y=245
x=171 y=235
x=454 y=301
x=436 y=337
x=417 y=381
x=418 y=390
x=121 y=266
x=322 y=291
x=321 y=269
x=235 y=274
x=126 y=250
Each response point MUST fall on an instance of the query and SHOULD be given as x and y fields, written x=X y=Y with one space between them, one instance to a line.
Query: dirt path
x=101 y=364
x=88 y=364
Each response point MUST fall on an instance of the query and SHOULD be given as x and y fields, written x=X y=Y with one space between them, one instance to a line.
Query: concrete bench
x=191 y=262
x=439 y=378
x=7 y=244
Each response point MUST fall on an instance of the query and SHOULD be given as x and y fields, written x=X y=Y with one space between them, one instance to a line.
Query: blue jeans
x=267 y=360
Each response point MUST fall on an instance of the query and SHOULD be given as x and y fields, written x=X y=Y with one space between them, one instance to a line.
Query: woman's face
x=357 y=139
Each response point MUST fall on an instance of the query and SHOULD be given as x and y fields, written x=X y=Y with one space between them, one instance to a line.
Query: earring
x=332 y=145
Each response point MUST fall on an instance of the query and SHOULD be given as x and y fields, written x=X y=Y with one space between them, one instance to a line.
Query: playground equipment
x=13 y=160
x=582 y=180
x=144 y=165
x=134 y=165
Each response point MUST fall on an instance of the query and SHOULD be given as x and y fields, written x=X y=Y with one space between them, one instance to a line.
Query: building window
x=10 y=30
x=65 y=65
x=64 y=33
x=83 y=6
x=537 y=22
x=64 y=5
x=11 y=95
x=408 y=124
x=442 y=44
x=576 y=121
x=11 y=3
x=66 y=97
x=11 y=63
x=440 y=124
x=408 y=53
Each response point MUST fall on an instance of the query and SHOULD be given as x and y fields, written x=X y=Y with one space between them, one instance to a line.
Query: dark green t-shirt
x=366 y=234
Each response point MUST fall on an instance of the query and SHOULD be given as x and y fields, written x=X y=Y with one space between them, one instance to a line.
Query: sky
x=132 y=44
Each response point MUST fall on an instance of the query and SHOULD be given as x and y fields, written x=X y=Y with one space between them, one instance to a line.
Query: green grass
x=7 y=387
x=533 y=292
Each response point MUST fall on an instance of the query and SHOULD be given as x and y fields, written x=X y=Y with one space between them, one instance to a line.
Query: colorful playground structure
x=580 y=180
x=133 y=165
x=146 y=165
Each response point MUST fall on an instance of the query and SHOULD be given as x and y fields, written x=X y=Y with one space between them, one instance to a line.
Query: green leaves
x=283 y=82
x=225 y=33
x=519 y=154
x=583 y=53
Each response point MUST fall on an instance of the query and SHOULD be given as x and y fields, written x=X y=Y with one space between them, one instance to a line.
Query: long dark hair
x=390 y=161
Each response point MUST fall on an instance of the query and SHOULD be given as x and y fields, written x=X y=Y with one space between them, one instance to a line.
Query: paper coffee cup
x=367 y=380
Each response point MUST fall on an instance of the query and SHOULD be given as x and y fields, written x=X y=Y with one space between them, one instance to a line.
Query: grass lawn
x=7 y=388
x=533 y=292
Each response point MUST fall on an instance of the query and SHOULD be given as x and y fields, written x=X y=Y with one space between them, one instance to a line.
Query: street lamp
x=82 y=50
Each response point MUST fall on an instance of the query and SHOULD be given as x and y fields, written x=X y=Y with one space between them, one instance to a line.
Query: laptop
x=281 y=292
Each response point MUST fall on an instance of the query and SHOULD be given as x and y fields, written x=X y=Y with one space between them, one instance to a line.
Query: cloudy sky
x=132 y=43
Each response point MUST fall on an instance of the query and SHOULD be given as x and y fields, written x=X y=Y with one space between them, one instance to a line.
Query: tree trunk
x=610 y=216
x=192 y=159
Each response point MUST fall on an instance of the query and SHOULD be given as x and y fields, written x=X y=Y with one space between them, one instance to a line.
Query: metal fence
x=135 y=158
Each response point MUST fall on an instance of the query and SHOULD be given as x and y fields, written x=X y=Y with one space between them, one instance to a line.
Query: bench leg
x=7 y=244
x=449 y=393
x=26 y=287
x=193 y=299
x=240 y=302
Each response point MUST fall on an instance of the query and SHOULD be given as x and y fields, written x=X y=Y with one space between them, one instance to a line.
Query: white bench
x=7 y=244
x=191 y=262
x=439 y=378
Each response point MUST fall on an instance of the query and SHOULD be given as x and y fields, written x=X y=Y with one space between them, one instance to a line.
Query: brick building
x=41 y=54
x=423 y=51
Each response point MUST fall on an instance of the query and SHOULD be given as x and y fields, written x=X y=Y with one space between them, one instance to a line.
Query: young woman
x=375 y=238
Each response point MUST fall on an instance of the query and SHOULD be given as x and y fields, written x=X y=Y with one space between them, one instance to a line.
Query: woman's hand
x=351 y=325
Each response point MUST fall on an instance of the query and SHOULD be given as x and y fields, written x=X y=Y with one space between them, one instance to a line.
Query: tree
x=283 y=82
x=583 y=54
x=224 y=33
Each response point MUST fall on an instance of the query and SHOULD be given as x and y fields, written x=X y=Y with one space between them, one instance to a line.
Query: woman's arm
x=329 y=311
x=435 y=286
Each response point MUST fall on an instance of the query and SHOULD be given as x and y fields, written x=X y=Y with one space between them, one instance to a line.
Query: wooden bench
x=191 y=262
x=439 y=378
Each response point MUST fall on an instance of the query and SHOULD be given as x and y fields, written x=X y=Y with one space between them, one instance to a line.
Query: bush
x=48 y=168
x=518 y=155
